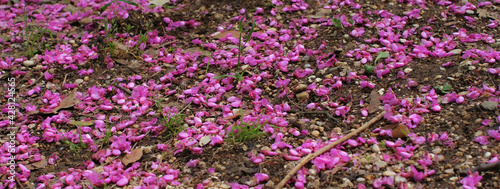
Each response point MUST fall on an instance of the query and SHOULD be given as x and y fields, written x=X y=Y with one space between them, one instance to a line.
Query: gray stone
x=456 y=51
x=489 y=105
x=28 y=63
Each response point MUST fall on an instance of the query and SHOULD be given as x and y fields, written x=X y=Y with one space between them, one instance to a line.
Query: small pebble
x=303 y=96
x=79 y=81
x=300 y=87
x=456 y=51
x=449 y=171
x=376 y=148
x=315 y=133
x=388 y=173
x=380 y=164
x=407 y=70
x=438 y=150
x=399 y=179
x=487 y=154
x=489 y=105
x=28 y=63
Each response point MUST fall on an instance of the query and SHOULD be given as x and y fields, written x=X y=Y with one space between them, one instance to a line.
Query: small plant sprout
x=72 y=146
x=171 y=121
x=239 y=75
x=337 y=23
x=444 y=89
x=246 y=131
x=381 y=54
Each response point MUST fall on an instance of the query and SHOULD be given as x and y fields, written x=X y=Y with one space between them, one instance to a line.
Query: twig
x=185 y=107
x=64 y=81
x=123 y=89
x=326 y=113
x=483 y=167
x=34 y=82
x=310 y=157
x=19 y=182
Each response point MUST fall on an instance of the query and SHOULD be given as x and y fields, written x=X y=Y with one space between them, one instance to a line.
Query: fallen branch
x=483 y=168
x=123 y=89
x=310 y=157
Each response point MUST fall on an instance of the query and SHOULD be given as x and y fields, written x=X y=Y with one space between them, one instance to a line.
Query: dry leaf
x=121 y=46
x=236 y=116
x=235 y=34
x=68 y=102
x=134 y=156
x=400 y=131
x=152 y=51
x=133 y=64
x=196 y=49
x=483 y=13
x=204 y=140
x=374 y=102
x=159 y=2
x=40 y=164
x=81 y=123
x=397 y=130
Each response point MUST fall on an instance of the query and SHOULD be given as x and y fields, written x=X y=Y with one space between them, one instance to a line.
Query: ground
x=129 y=94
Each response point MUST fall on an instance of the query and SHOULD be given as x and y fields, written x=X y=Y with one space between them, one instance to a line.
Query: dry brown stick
x=123 y=89
x=310 y=157
x=483 y=168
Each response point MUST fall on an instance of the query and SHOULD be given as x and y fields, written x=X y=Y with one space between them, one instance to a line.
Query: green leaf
x=220 y=76
x=369 y=69
x=251 y=30
x=106 y=6
x=381 y=54
x=129 y=2
x=445 y=89
x=336 y=22
x=240 y=25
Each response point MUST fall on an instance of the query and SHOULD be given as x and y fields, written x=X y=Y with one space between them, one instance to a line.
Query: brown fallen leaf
x=374 y=102
x=134 y=156
x=81 y=123
x=68 y=102
x=132 y=64
x=40 y=164
x=237 y=116
x=235 y=34
x=196 y=49
x=397 y=130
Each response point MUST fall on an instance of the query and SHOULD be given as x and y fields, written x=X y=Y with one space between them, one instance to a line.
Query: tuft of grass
x=33 y=36
x=172 y=121
x=238 y=76
x=143 y=37
x=72 y=146
x=105 y=140
x=246 y=131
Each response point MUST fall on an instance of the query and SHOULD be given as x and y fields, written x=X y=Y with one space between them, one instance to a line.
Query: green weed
x=246 y=131
x=238 y=76
x=106 y=138
x=172 y=121
x=337 y=23
x=369 y=68
x=445 y=89
x=72 y=146
x=34 y=35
